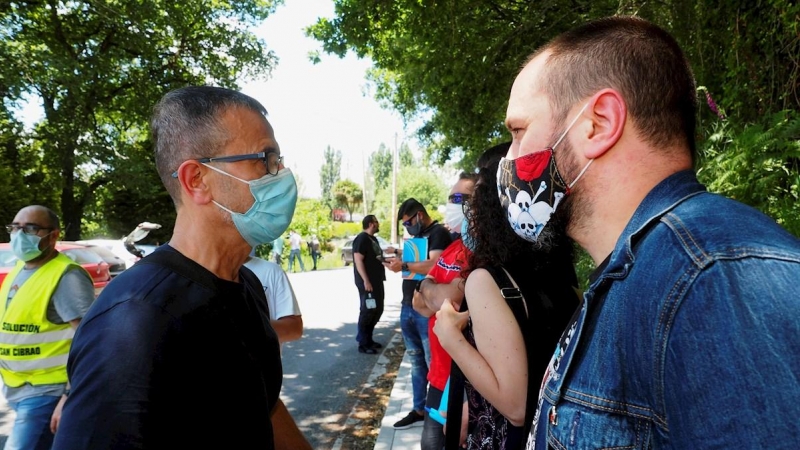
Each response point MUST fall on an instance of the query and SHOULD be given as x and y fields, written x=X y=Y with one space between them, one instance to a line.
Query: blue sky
x=312 y=106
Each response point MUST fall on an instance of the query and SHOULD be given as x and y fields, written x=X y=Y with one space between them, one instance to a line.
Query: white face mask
x=453 y=216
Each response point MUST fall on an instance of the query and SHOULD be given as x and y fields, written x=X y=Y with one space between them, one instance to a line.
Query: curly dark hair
x=496 y=243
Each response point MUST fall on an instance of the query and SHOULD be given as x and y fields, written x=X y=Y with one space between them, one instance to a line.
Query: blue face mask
x=467 y=238
x=271 y=213
x=25 y=246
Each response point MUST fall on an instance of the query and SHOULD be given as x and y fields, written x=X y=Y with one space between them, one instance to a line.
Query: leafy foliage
x=452 y=63
x=416 y=182
x=758 y=164
x=311 y=218
x=98 y=68
x=329 y=174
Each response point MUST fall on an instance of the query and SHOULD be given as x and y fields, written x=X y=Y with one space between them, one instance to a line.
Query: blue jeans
x=32 y=426
x=295 y=254
x=415 y=335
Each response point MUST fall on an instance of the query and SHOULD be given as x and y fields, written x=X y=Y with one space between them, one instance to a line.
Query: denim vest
x=688 y=338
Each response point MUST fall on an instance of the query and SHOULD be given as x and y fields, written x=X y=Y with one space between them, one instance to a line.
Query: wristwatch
x=418 y=288
x=404 y=267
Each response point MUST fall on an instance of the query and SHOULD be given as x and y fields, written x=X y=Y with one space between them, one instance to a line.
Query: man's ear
x=191 y=177
x=608 y=113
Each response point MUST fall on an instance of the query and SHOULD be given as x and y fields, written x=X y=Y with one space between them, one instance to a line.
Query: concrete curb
x=401 y=402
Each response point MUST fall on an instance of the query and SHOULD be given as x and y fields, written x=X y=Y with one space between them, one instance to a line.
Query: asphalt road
x=321 y=368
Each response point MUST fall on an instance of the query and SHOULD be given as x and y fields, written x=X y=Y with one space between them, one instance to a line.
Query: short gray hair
x=185 y=125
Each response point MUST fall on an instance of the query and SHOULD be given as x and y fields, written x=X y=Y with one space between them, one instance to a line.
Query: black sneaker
x=413 y=419
x=367 y=350
x=375 y=345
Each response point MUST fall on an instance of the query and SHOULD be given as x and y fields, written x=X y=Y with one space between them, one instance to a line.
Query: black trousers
x=368 y=318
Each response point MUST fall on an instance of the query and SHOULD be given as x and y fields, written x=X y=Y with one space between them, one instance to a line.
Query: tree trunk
x=71 y=210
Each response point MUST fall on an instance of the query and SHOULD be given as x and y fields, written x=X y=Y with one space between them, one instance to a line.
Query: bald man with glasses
x=43 y=298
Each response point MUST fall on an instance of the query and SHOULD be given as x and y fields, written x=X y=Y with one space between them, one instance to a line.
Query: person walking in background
x=369 y=276
x=687 y=336
x=314 y=247
x=295 y=242
x=186 y=332
x=284 y=312
x=44 y=298
x=277 y=250
x=414 y=326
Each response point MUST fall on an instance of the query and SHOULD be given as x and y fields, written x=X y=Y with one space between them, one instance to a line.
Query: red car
x=93 y=263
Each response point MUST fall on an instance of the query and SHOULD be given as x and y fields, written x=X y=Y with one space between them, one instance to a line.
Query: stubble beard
x=564 y=222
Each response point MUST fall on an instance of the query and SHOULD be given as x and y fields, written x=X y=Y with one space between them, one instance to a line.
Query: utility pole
x=394 y=192
x=364 y=169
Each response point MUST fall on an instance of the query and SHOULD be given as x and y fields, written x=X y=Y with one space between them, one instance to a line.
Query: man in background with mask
x=687 y=336
x=178 y=351
x=414 y=325
x=453 y=212
x=44 y=298
x=443 y=281
x=369 y=277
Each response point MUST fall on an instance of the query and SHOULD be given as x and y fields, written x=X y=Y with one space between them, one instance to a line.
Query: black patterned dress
x=550 y=299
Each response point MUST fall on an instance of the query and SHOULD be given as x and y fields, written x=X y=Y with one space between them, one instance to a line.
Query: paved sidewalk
x=400 y=403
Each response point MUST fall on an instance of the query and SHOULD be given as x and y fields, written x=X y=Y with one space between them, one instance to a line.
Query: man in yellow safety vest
x=42 y=301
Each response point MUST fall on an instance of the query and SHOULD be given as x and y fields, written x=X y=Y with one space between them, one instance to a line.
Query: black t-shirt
x=170 y=356
x=438 y=239
x=373 y=258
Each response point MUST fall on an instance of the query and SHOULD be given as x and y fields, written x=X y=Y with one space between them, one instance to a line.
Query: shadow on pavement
x=320 y=397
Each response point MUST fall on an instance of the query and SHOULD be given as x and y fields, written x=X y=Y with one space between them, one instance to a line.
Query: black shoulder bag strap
x=519 y=307
x=455 y=399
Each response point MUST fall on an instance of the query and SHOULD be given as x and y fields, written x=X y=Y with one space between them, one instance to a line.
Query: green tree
x=380 y=167
x=98 y=68
x=348 y=194
x=422 y=184
x=310 y=218
x=329 y=174
x=451 y=63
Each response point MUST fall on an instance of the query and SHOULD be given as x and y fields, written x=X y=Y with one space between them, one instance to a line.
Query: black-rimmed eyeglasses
x=28 y=228
x=272 y=161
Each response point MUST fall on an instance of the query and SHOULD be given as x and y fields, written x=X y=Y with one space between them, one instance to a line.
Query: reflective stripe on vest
x=33 y=349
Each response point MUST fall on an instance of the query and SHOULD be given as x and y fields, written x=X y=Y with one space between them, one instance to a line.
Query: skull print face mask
x=530 y=188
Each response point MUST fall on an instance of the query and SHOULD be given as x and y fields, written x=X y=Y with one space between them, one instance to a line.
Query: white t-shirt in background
x=280 y=295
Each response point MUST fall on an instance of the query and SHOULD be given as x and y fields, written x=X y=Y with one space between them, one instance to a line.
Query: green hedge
x=345 y=229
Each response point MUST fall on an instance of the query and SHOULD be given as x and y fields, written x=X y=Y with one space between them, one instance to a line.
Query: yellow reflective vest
x=32 y=349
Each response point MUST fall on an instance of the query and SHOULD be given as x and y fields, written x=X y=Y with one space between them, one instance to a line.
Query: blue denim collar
x=668 y=194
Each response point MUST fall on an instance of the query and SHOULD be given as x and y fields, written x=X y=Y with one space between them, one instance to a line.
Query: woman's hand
x=449 y=323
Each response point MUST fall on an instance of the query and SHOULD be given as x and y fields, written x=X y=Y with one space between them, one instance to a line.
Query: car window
x=104 y=253
x=83 y=256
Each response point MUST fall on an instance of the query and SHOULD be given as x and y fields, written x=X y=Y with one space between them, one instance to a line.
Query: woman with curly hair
x=520 y=296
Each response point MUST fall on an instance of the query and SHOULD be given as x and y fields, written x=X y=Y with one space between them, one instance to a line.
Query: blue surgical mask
x=273 y=209
x=25 y=246
x=467 y=238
